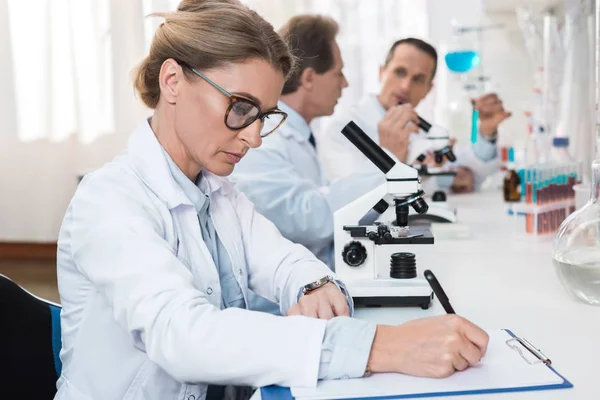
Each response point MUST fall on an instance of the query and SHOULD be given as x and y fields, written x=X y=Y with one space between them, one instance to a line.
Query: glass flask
x=463 y=54
x=577 y=246
x=462 y=58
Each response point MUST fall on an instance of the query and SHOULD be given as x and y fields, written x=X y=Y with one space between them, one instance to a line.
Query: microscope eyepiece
x=426 y=126
x=368 y=147
x=451 y=156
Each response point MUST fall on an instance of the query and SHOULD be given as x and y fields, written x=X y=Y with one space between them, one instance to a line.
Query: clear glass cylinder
x=577 y=247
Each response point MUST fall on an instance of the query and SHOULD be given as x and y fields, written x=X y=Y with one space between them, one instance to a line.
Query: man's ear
x=169 y=79
x=430 y=88
x=307 y=79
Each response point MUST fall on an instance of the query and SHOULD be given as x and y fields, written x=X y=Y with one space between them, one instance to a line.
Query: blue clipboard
x=283 y=393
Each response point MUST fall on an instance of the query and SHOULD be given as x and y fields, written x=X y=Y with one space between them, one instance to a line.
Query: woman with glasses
x=157 y=251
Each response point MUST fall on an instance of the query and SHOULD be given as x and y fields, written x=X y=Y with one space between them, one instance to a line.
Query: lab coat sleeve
x=118 y=244
x=481 y=169
x=297 y=206
x=278 y=268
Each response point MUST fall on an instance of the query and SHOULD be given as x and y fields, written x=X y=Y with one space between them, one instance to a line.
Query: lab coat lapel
x=151 y=166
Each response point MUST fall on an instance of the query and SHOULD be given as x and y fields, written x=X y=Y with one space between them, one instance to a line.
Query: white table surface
x=499 y=279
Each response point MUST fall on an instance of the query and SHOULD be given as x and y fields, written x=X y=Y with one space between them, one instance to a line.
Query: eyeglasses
x=242 y=111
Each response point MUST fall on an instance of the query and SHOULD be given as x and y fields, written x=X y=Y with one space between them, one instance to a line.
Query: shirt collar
x=295 y=121
x=148 y=160
x=377 y=105
x=196 y=192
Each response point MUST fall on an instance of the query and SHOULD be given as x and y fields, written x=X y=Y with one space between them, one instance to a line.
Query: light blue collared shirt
x=232 y=295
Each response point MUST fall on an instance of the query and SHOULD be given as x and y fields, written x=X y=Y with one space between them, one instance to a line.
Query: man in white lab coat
x=283 y=178
x=407 y=77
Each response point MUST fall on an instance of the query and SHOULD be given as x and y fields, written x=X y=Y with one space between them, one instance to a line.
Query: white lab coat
x=140 y=292
x=340 y=158
x=283 y=178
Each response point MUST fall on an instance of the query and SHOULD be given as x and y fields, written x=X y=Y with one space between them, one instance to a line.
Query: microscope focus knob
x=354 y=254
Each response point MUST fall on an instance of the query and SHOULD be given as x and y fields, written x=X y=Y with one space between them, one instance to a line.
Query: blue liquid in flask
x=462 y=61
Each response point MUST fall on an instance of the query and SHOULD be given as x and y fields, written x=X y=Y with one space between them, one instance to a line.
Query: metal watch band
x=317 y=284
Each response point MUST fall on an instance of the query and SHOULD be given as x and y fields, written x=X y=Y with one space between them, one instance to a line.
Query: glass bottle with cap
x=512 y=182
x=560 y=150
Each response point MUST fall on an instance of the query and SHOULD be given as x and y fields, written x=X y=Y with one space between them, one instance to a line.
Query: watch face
x=317 y=284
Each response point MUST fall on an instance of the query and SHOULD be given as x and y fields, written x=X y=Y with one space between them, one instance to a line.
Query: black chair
x=30 y=343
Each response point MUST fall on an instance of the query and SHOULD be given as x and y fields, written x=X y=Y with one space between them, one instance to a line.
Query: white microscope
x=378 y=261
x=432 y=138
x=435 y=140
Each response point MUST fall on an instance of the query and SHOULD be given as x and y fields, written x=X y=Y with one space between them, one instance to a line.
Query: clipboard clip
x=517 y=343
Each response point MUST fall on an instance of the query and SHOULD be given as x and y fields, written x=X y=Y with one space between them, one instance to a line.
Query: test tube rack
x=547 y=197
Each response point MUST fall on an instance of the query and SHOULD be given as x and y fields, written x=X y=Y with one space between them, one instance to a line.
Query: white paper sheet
x=502 y=367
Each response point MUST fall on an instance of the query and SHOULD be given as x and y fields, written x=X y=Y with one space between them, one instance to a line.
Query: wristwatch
x=317 y=284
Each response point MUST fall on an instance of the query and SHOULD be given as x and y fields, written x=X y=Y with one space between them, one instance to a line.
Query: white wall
x=38 y=179
x=512 y=71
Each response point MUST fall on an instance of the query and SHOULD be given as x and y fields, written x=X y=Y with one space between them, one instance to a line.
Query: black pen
x=439 y=292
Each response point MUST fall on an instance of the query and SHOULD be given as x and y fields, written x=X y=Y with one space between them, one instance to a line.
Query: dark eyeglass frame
x=234 y=98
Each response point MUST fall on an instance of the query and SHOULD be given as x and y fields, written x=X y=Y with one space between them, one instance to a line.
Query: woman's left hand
x=325 y=302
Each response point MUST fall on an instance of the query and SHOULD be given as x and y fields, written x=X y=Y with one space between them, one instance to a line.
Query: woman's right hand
x=431 y=347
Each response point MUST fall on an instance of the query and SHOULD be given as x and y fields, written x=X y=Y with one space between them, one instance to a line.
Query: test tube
x=548 y=189
x=522 y=177
x=541 y=186
x=564 y=172
x=529 y=200
x=559 y=184
x=503 y=158
x=537 y=193
x=568 y=186
x=529 y=186
x=557 y=180
x=553 y=184
x=547 y=183
x=572 y=180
